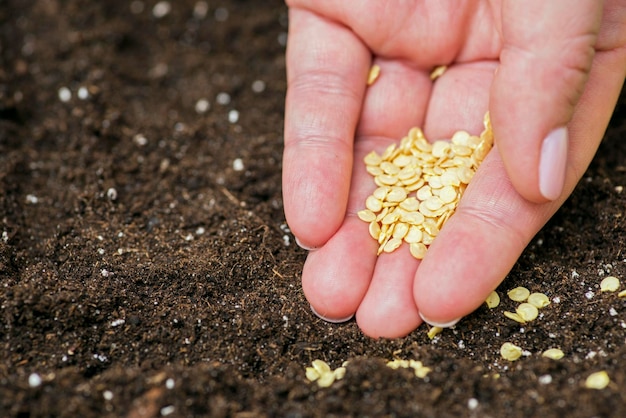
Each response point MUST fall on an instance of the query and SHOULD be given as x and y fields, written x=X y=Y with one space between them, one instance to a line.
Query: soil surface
x=146 y=268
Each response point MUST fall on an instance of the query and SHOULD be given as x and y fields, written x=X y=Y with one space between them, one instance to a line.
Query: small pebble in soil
x=32 y=199
x=65 y=95
x=222 y=98
x=233 y=116
x=112 y=194
x=168 y=410
x=161 y=9
x=472 y=403
x=258 y=86
x=238 y=164
x=221 y=14
x=589 y=295
x=200 y=9
x=107 y=395
x=140 y=139
x=545 y=379
x=169 y=383
x=510 y=351
x=609 y=284
x=83 y=93
x=202 y=106
x=598 y=380
x=34 y=380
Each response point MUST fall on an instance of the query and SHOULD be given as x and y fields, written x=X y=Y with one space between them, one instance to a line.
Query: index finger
x=327 y=67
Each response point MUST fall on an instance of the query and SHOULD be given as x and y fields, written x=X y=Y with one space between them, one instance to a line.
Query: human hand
x=560 y=66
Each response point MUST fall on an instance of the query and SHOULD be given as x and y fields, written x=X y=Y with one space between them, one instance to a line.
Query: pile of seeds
x=419 y=186
x=321 y=373
x=528 y=309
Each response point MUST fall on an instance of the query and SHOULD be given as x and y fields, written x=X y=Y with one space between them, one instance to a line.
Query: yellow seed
x=414 y=235
x=438 y=71
x=397 y=194
x=527 y=312
x=340 y=372
x=400 y=230
x=447 y=194
x=440 y=148
x=381 y=192
x=460 y=138
x=374 y=170
x=418 y=250
x=622 y=294
x=413 y=218
x=321 y=366
x=326 y=380
x=403 y=160
x=312 y=374
x=387 y=179
x=373 y=74
x=519 y=294
x=373 y=204
x=609 y=284
x=434 y=331
x=493 y=300
x=390 y=218
x=514 y=316
x=539 y=300
x=430 y=227
x=598 y=380
x=553 y=353
x=392 y=245
x=465 y=174
x=424 y=193
x=427 y=239
x=410 y=204
x=366 y=215
x=389 y=168
x=373 y=159
x=374 y=230
x=433 y=203
x=510 y=351
x=450 y=178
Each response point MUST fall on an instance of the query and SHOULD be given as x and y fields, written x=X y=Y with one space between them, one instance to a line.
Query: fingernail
x=552 y=164
x=331 y=320
x=439 y=324
x=304 y=247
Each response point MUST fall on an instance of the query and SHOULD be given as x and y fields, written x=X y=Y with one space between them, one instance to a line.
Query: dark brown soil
x=142 y=275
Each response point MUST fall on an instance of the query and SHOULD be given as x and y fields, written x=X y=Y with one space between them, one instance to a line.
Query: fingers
x=336 y=277
x=479 y=244
x=326 y=74
x=548 y=49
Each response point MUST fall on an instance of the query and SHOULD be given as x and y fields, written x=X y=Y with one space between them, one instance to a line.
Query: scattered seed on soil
x=609 y=284
x=510 y=351
x=622 y=294
x=420 y=185
x=598 y=380
x=434 y=331
x=321 y=373
x=421 y=371
x=519 y=294
x=493 y=300
x=373 y=74
x=553 y=353
x=514 y=316
x=527 y=312
x=539 y=300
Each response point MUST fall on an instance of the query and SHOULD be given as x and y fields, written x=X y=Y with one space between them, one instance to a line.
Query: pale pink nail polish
x=439 y=324
x=552 y=163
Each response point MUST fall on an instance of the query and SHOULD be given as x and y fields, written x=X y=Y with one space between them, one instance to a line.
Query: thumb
x=548 y=48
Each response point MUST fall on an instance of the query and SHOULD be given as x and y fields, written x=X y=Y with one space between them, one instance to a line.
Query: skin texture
x=536 y=66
